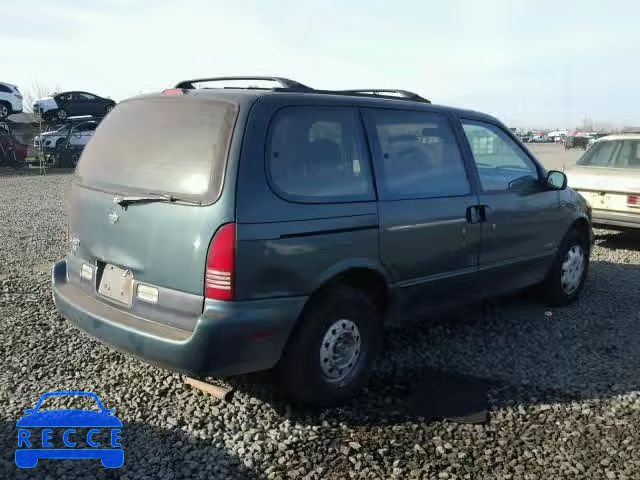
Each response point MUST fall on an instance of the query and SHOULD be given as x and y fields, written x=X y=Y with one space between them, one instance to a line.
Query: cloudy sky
x=531 y=63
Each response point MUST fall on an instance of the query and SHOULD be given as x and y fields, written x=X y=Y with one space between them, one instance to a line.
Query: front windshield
x=613 y=154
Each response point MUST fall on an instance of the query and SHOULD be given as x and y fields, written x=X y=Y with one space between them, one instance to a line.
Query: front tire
x=61 y=114
x=5 y=110
x=567 y=276
x=332 y=351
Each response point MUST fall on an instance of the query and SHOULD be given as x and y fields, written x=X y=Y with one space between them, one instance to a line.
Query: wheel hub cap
x=340 y=350
x=572 y=269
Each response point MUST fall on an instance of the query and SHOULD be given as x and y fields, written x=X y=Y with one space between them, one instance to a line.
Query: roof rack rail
x=387 y=92
x=292 y=85
x=284 y=82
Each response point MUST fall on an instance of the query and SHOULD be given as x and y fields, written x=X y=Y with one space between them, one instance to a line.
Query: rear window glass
x=600 y=155
x=317 y=154
x=613 y=153
x=161 y=145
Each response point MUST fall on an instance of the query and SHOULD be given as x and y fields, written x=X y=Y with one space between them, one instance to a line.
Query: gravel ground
x=564 y=395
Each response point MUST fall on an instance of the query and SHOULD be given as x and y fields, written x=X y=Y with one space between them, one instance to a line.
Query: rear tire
x=567 y=276
x=61 y=114
x=331 y=353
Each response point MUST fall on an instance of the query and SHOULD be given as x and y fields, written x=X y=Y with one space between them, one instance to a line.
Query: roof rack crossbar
x=385 y=92
x=284 y=82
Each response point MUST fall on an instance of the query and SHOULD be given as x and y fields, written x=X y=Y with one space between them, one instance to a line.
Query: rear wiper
x=124 y=200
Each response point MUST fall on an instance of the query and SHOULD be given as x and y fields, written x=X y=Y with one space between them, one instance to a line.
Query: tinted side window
x=4 y=89
x=416 y=155
x=317 y=154
x=499 y=159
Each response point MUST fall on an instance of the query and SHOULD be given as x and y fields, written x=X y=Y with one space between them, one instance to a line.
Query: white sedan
x=608 y=177
x=69 y=135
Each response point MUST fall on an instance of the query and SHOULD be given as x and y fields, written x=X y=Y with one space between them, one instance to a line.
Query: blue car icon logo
x=36 y=431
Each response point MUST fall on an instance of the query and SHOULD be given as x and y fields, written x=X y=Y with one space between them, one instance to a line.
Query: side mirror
x=556 y=180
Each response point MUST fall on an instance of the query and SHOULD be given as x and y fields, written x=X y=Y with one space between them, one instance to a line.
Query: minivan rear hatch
x=146 y=192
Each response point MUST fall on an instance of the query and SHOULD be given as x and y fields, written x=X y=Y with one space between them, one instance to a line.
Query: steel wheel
x=572 y=269
x=340 y=350
x=331 y=353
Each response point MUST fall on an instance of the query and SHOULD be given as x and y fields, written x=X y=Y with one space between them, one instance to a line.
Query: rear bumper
x=613 y=219
x=229 y=338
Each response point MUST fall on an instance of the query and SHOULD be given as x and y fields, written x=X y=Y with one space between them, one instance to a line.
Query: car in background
x=608 y=177
x=10 y=100
x=77 y=132
x=68 y=104
x=576 y=142
x=11 y=149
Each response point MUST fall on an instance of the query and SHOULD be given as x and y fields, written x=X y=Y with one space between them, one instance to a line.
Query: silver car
x=608 y=177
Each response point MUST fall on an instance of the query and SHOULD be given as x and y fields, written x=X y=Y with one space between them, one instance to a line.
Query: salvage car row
x=66 y=122
x=57 y=107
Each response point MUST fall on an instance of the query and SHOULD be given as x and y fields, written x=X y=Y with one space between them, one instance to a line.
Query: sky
x=530 y=63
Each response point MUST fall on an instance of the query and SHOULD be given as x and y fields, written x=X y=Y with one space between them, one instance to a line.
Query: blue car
x=32 y=447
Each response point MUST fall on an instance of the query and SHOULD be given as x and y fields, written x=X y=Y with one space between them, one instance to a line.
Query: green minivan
x=219 y=231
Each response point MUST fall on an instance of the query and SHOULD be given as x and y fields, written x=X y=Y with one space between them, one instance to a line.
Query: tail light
x=633 y=200
x=218 y=281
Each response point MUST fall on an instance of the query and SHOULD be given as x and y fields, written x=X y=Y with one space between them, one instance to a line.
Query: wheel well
x=581 y=226
x=369 y=281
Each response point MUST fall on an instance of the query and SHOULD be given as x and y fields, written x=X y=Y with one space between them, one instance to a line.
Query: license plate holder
x=117 y=284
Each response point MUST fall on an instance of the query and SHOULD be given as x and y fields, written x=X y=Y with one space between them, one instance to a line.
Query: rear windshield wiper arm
x=124 y=200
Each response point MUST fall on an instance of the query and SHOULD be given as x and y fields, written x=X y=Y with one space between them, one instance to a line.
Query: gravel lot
x=564 y=395
x=553 y=155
